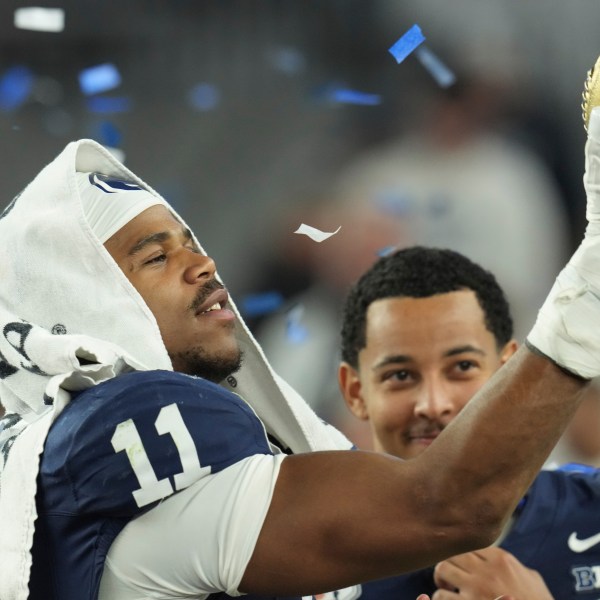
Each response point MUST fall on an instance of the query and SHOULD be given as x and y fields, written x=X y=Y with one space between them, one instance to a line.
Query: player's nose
x=199 y=267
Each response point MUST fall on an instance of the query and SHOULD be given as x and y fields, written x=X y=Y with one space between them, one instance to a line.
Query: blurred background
x=254 y=116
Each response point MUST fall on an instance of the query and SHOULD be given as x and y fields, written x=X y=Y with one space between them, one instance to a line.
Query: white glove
x=567 y=329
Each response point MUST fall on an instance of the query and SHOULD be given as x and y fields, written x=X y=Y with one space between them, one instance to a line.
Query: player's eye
x=156 y=259
x=399 y=375
x=465 y=365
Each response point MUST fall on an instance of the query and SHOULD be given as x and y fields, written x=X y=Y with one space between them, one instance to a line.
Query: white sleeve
x=196 y=542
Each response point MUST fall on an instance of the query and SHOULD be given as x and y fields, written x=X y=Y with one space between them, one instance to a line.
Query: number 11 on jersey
x=127 y=438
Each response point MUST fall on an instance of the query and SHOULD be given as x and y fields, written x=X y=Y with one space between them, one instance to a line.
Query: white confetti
x=315 y=234
x=36 y=18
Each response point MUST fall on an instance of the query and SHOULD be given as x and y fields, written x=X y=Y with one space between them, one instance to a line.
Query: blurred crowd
x=484 y=166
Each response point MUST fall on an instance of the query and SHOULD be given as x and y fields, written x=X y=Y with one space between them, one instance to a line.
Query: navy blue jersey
x=557 y=533
x=114 y=452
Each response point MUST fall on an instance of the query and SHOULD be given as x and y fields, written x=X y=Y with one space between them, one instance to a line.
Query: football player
x=143 y=458
x=423 y=330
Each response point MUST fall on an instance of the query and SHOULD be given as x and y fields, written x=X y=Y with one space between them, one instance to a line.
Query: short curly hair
x=420 y=272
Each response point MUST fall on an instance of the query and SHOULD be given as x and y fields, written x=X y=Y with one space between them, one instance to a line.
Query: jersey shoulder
x=125 y=444
x=555 y=530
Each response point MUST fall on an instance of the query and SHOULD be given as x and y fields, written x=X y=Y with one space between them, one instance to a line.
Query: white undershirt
x=196 y=542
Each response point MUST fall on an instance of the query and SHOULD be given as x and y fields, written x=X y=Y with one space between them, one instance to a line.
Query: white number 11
x=169 y=420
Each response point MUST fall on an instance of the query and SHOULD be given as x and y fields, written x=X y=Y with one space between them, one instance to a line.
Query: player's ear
x=350 y=387
x=509 y=349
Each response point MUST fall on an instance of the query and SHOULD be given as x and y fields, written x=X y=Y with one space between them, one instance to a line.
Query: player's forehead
x=401 y=311
x=156 y=223
x=427 y=327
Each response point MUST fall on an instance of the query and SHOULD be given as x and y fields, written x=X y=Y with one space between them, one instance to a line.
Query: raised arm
x=338 y=519
x=341 y=518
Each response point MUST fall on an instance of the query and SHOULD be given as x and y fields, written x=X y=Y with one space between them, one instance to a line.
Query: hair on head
x=420 y=272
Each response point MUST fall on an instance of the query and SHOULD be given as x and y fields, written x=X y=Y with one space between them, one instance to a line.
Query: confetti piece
x=386 y=251
x=437 y=69
x=15 y=87
x=315 y=234
x=407 y=43
x=257 y=305
x=108 y=104
x=204 y=96
x=346 y=96
x=295 y=331
x=36 y=18
x=109 y=135
x=99 y=79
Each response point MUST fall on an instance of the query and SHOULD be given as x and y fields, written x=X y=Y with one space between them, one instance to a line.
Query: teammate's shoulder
x=567 y=478
x=132 y=394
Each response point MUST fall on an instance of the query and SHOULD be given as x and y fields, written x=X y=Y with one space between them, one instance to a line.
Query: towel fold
x=69 y=320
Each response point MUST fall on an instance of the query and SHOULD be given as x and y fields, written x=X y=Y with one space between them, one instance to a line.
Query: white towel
x=62 y=299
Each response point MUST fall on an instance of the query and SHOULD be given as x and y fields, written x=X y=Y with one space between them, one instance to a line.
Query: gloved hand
x=567 y=329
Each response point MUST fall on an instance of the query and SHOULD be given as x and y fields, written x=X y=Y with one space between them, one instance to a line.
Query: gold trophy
x=591 y=93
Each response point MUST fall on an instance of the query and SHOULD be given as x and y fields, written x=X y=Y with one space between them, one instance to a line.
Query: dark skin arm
x=340 y=518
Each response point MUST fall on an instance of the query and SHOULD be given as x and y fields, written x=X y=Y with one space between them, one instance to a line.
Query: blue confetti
x=204 y=96
x=407 y=43
x=295 y=331
x=345 y=96
x=101 y=78
x=256 y=305
x=15 y=87
x=108 y=104
x=109 y=135
x=386 y=251
x=438 y=70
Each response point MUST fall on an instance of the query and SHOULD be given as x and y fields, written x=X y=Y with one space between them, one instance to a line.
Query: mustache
x=204 y=292
x=425 y=430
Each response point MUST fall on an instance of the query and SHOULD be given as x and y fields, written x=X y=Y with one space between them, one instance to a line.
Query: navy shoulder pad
x=121 y=446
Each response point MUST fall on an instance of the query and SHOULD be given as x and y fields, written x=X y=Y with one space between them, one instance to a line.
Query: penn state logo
x=349 y=593
x=109 y=185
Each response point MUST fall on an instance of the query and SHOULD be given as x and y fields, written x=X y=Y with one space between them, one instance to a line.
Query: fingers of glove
x=591 y=178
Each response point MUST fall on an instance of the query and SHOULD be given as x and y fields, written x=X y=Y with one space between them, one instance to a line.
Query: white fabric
x=212 y=531
x=564 y=329
x=63 y=299
x=107 y=208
